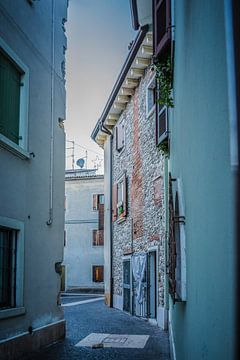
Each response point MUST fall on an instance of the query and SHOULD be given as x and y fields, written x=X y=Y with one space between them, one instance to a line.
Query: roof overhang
x=133 y=69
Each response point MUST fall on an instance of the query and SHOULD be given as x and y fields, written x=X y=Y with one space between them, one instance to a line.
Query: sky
x=98 y=33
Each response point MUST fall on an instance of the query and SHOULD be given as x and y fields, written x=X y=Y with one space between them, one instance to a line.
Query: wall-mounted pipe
x=103 y=128
x=50 y=218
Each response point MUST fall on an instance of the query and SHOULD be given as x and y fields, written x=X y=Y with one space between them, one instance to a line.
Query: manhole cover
x=115 y=340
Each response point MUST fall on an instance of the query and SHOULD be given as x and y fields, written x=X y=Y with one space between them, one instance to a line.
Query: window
x=120 y=136
x=119 y=199
x=98 y=199
x=8 y=247
x=161 y=124
x=162 y=26
x=177 y=251
x=98 y=273
x=98 y=238
x=11 y=267
x=14 y=84
x=151 y=97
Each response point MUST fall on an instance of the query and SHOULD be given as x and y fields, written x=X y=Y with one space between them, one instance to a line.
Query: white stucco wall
x=80 y=221
x=25 y=184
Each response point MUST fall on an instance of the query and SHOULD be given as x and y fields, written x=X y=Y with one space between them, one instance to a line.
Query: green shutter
x=10 y=82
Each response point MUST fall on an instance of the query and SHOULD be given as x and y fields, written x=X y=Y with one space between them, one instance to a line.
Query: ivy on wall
x=164 y=81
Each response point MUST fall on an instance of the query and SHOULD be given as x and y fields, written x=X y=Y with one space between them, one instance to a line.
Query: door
x=152 y=285
x=140 y=308
x=127 y=285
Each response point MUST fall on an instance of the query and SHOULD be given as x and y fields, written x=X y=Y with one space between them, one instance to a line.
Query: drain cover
x=115 y=340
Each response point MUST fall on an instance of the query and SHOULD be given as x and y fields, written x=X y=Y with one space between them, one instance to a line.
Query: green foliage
x=163 y=146
x=164 y=80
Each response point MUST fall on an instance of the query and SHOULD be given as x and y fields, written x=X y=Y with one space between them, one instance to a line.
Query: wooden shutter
x=114 y=202
x=161 y=124
x=162 y=25
x=10 y=82
x=119 y=136
x=95 y=201
x=100 y=237
x=172 y=246
x=101 y=216
x=124 y=195
x=122 y=134
x=95 y=240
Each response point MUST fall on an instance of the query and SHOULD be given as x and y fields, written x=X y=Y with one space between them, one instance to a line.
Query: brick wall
x=144 y=225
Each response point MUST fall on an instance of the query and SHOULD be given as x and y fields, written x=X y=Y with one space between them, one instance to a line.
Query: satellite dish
x=80 y=163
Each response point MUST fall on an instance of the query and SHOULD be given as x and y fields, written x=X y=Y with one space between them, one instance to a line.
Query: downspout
x=105 y=130
x=50 y=219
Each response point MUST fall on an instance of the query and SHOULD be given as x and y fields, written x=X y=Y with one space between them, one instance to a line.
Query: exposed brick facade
x=143 y=162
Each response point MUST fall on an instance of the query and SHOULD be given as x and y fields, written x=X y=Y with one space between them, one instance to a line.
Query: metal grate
x=8 y=243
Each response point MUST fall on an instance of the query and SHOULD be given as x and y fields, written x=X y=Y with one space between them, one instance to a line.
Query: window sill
x=13 y=148
x=8 y=313
x=120 y=220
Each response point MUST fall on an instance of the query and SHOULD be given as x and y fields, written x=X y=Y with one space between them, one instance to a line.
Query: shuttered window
x=98 y=237
x=162 y=25
x=100 y=216
x=120 y=136
x=98 y=199
x=172 y=245
x=177 y=246
x=10 y=83
x=161 y=124
x=119 y=199
x=8 y=248
x=98 y=273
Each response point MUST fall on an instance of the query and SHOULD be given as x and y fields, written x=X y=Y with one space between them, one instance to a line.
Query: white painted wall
x=80 y=221
x=25 y=184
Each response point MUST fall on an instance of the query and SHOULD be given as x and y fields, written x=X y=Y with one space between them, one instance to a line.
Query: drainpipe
x=109 y=133
x=50 y=219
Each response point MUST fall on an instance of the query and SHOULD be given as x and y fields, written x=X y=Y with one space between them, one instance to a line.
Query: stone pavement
x=96 y=317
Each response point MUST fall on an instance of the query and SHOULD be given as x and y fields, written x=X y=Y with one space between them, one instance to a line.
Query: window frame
x=160 y=45
x=150 y=87
x=17 y=225
x=97 y=282
x=180 y=272
x=116 y=217
x=122 y=124
x=98 y=201
x=94 y=231
x=21 y=149
x=163 y=136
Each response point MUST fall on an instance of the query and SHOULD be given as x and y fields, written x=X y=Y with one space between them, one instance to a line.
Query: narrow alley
x=88 y=314
x=119 y=179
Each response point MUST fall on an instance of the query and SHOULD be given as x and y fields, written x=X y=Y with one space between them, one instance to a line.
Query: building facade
x=83 y=264
x=202 y=151
x=135 y=216
x=32 y=102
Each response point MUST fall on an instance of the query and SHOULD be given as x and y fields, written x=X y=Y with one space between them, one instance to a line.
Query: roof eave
x=126 y=66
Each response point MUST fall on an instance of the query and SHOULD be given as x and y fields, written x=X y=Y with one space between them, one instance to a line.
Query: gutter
x=109 y=133
x=134 y=14
x=120 y=80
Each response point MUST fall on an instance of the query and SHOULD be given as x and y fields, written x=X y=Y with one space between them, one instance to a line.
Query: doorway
x=152 y=284
x=127 y=285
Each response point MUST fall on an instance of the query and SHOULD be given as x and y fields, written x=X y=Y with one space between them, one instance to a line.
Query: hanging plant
x=164 y=147
x=164 y=81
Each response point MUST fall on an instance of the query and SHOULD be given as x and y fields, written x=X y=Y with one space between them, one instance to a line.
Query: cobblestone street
x=94 y=317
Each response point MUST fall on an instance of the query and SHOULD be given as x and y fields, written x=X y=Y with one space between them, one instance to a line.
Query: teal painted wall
x=199 y=155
